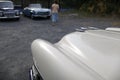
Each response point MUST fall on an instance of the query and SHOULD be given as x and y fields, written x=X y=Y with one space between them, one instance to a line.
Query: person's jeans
x=54 y=17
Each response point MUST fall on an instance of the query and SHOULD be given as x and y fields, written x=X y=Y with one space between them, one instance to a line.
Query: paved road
x=17 y=36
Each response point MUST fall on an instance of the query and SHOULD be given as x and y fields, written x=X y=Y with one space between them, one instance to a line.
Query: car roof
x=5 y=1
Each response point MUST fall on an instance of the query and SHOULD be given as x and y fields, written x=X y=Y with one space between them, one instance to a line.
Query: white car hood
x=97 y=49
x=89 y=55
x=40 y=9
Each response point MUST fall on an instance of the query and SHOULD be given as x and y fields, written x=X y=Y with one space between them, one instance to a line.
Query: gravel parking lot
x=16 y=38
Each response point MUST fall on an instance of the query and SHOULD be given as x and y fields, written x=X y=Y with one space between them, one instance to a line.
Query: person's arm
x=58 y=8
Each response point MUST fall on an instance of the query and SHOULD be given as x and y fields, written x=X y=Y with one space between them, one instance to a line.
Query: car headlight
x=33 y=12
x=17 y=13
x=1 y=14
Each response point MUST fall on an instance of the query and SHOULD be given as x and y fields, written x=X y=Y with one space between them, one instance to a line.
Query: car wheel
x=17 y=19
x=24 y=14
x=32 y=17
x=48 y=17
x=1 y=20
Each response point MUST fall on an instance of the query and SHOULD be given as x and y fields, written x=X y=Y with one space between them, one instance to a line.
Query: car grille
x=43 y=13
x=9 y=14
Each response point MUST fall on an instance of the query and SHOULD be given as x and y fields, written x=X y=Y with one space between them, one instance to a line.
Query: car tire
x=24 y=15
x=48 y=17
x=32 y=17
x=17 y=19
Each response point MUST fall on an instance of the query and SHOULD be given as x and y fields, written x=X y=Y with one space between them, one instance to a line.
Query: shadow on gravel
x=40 y=18
x=9 y=20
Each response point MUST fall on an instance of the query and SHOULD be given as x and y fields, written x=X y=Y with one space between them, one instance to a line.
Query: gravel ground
x=17 y=36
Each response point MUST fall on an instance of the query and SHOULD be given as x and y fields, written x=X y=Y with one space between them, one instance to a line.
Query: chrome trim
x=31 y=74
x=13 y=17
x=41 y=15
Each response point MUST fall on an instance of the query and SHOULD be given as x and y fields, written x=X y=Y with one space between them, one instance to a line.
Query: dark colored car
x=35 y=10
x=19 y=7
x=7 y=11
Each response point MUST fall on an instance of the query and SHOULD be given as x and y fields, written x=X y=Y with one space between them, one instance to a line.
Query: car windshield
x=35 y=5
x=6 y=5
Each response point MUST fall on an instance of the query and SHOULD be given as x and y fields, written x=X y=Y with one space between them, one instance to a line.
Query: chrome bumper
x=12 y=17
x=31 y=74
x=34 y=74
x=43 y=16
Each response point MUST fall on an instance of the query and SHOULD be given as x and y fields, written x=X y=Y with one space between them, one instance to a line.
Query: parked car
x=35 y=10
x=88 y=55
x=19 y=7
x=7 y=10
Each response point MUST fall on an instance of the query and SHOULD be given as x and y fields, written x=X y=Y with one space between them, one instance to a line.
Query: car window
x=6 y=5
x=35 y=5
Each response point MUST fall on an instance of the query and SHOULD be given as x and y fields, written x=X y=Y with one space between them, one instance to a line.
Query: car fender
x=54 y=65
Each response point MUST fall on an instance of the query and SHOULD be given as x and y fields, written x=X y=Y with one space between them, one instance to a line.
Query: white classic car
x=89 y=55
x=35 y=10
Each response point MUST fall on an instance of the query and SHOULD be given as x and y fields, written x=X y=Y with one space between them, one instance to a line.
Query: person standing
x=55 y=9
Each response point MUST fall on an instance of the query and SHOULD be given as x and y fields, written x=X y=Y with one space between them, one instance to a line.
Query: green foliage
x=94 y=6
x=71 y=3
x=91 y=6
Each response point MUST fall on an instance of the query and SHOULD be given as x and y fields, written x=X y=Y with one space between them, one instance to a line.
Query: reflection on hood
x=7 y=9
x=40 y=9
x=4 y=9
